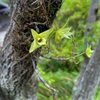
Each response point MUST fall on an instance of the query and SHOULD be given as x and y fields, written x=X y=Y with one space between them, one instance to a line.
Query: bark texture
x=90 y=79
x=17 y=78
x=92 y=17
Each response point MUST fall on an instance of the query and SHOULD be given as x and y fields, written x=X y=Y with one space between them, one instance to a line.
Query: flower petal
x=34 y=46
x=46 y=33
x=88 y=51
x=34 y=33
x=62 y=33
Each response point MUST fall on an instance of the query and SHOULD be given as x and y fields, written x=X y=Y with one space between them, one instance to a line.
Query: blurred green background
x=61 y=75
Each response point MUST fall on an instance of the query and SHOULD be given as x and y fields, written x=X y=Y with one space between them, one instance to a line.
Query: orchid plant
x=88 y=51
x=41 y=40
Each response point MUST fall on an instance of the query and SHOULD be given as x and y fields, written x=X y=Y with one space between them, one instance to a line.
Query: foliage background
x=62 y=74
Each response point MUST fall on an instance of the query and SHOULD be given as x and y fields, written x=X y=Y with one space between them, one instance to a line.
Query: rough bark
x=17 y=79
x=91 y=19
x=90 y=79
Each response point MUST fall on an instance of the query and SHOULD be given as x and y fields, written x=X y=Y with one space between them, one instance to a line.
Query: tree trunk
x=92 y=17
x=90 y=79
x=17 y=80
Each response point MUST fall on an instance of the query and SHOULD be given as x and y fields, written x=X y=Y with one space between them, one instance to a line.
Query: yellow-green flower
x=62 y=33
x=88 y=51
x=39 y=39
